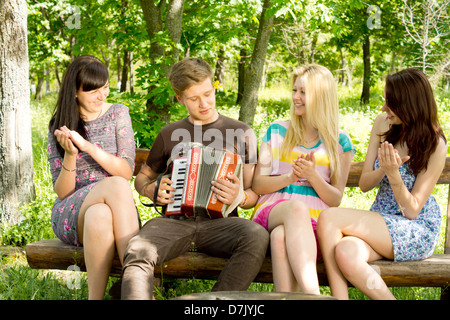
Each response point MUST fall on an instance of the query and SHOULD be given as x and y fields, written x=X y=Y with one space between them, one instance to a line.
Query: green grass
x=19 y=282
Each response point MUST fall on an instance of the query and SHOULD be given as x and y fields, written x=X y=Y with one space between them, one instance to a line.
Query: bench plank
x=141 y=157
x=11 y=251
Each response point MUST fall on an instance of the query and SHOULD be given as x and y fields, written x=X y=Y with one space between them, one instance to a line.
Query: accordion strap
x=155 y=197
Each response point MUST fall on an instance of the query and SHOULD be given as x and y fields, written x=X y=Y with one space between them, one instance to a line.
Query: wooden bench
x=432 y=272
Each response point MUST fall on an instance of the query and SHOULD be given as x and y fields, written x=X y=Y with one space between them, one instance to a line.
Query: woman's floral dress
x=111 y=132
x=412 y=239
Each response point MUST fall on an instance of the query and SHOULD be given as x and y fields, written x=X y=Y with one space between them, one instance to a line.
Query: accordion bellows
x=192 y=173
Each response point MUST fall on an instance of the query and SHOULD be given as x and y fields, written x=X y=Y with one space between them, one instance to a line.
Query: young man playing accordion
x=164 y=238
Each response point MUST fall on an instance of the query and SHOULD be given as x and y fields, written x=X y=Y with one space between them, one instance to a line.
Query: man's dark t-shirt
x=223 y=134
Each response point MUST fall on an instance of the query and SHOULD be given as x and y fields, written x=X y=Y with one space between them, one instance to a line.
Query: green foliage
x=145 y=129
x=144 y=134
x=328 y=32
x=35 y=224
x=47 y=44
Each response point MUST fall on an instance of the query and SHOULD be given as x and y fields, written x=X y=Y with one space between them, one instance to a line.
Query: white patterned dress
x=412 y=239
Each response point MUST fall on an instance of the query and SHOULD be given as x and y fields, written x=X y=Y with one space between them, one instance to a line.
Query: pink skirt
x=263 y=220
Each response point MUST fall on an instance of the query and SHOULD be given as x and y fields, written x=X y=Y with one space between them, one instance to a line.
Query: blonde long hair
x=322 y=113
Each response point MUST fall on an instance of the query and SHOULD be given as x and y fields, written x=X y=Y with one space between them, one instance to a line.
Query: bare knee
x=119 y=181
x=98 y=221
x=298 y=210
x=346 y=253
x=116 y=193
x=98 y=216
x=278 y=239
x=117 y=186
x=326 y=221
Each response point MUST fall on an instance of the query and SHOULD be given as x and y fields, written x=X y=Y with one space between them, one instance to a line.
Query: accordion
x=192 y=172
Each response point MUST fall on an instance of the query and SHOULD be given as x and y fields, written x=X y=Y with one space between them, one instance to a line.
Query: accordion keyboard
x=178 y=178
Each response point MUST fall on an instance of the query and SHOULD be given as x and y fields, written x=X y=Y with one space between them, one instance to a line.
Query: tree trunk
x=40 y=82
x=393 y=60
x=219 y=73
x=47 y=80
x=174 y=24
x=366 y=81
x=119 y=71
x=131 y=73
x=125 y=67
x=153 y=14
x=58 y=79
x=314 y=41
x=241 y=74
x=254 y=71
x=349 y=71
x=16 y=156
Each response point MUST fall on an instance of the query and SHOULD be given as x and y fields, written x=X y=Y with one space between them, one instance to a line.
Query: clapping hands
x=389 y=159
x=304 y=166
x=70 y=140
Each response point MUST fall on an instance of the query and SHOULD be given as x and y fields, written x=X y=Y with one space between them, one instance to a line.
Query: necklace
x=86 y=118
x=101 y=110
x=311 y=140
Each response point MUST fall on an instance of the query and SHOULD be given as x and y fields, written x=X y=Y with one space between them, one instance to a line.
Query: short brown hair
x=188 y=72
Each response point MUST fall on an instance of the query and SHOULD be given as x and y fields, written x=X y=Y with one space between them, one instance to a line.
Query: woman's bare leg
x=333 y=226
x=107 y=220
x=283 y=278
x=99 y=248
x=301 y=245
x=352 y=257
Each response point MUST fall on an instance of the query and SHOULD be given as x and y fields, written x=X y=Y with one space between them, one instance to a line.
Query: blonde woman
x=302 y=170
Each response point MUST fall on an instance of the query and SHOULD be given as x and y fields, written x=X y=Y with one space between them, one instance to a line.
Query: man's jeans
x=243 y=241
